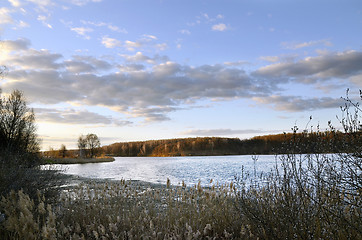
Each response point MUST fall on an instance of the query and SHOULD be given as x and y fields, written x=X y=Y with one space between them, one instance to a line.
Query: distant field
x=77 y=160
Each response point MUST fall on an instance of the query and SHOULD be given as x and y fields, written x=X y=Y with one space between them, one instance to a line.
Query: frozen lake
x=191 y=170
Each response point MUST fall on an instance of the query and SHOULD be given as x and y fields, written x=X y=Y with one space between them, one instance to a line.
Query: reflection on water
x=222 y=169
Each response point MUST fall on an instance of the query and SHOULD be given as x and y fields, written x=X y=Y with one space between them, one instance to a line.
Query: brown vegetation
x=323 y=142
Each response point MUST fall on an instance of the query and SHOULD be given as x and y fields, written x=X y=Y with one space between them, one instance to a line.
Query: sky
x=133 y=70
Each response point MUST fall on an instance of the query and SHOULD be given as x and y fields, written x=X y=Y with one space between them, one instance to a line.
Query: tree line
x=88 y=147
x=312 y=142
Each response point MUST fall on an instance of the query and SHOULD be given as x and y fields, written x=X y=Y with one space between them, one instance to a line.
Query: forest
x=312 y=142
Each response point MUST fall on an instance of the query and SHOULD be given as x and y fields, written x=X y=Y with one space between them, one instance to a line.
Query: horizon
x=170 y=70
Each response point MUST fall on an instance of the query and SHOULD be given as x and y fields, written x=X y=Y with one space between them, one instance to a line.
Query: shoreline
x=77 y=160
x=74 y=180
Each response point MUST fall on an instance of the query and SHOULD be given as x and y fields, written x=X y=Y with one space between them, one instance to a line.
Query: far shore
x=77 y=160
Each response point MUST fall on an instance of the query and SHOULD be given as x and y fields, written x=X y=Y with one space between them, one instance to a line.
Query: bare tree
x=82 y=144
x=17 y=125
x=88 y=145
x=93 y=143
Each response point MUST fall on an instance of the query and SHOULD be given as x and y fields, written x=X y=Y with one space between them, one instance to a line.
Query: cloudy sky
x=131 y=70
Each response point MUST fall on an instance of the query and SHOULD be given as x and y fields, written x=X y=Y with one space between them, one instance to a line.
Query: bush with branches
x=311 y=196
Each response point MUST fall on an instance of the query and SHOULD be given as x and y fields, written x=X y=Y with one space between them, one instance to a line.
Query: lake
x=191 y=170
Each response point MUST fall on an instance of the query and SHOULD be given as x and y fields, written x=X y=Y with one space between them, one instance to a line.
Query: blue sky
x=140 y=70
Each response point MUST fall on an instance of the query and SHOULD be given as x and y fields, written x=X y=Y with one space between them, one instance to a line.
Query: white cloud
x=15 y=3
x=82 y=31
x=185 y=31
x=110 y=26
x=5 y=17
x=22 y=24
x=44 y=20
x=117 y=29
x=151 y=37
x=237 y=63
x=83 y=2
x=130 y=46
x=219 y=27
x=42 y=5
x=270 y=58
x=296 y=45
x=140 y=57
x=41 y=2
x=111 y=42
x=161 y=46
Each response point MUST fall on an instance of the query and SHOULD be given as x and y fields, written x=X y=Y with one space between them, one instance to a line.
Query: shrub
x=311 y=196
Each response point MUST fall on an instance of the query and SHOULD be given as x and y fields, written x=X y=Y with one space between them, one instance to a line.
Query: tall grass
x=125 y=210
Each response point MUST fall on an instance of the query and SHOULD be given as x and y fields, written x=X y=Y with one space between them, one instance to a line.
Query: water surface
x=191 y=170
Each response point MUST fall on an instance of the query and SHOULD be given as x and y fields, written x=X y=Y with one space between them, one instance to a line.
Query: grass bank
x=77 y=160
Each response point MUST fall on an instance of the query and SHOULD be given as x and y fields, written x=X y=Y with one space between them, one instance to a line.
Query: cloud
x=130 y=46
x=86 y=64
x=144 y=43
x=185 y=31
x=154 y=114
x=41 y=2
x=34 y=59
x=219 y=27
x=161 y=46
x=152 y=37
x=140 y=57
x=270 y=58
x=237 y=63
x=111 y=42
x=297 y=103
x=296 y=45
x=16 y=45
x=357 y=79
x=44 y=20
x=82 y=31
x=71 y=116
x=117 y=29
x=312 y=69
x=110 y=26
x=5 y=17
x=152 y=87
x=15 y=3
x=42 y=5
x=84 y=2
x=221 y=132
x=45 y=86
x=21 y=24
